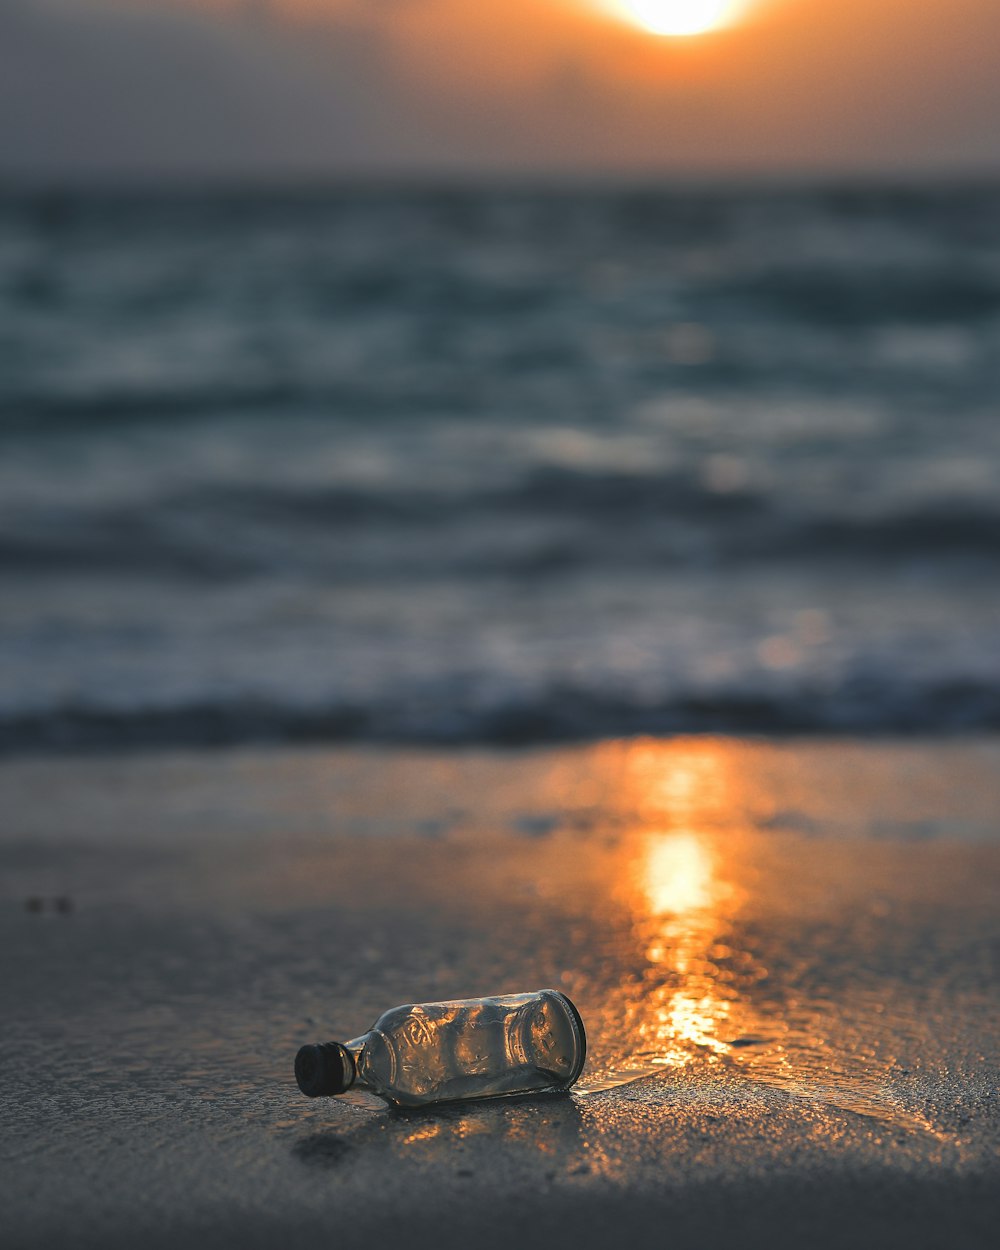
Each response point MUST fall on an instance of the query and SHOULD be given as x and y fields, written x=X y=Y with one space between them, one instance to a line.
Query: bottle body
x=423 y=1053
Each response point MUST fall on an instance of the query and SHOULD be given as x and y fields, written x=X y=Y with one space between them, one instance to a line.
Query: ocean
x=498 y=464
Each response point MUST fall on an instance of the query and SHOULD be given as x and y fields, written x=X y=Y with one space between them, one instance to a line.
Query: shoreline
x=222 y=730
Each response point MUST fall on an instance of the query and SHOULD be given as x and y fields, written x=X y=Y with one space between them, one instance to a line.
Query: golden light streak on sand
x=678 y=881
x=682 y=906
x=677 y=874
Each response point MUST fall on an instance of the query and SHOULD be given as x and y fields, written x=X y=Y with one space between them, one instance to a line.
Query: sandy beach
x=785 y=955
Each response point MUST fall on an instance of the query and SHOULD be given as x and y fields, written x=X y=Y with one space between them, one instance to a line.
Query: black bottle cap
x=323 y=1069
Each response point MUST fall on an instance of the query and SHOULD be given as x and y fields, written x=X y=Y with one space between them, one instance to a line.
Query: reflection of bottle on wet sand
x=443 y=1052
x=542 y=1136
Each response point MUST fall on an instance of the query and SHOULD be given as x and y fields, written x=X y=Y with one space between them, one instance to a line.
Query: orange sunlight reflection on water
x=678 y=881
x=678 y=929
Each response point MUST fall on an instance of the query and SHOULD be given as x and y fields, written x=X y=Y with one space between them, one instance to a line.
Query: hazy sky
x=279 y=88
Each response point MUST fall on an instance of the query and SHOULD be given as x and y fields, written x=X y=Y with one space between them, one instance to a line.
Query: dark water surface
x=498 y=465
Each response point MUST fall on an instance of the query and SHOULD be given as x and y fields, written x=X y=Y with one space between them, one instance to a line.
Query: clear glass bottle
x=424 y=1053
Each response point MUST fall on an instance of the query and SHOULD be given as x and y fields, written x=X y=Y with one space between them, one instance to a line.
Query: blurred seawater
x=498 y=464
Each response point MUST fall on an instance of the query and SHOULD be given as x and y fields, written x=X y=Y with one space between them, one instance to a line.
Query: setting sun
x=679 y=17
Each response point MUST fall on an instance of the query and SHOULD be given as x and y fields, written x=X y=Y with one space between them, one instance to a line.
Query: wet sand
x=786 y=956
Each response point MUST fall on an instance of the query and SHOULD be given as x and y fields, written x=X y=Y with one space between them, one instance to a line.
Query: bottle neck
x=354 y=1048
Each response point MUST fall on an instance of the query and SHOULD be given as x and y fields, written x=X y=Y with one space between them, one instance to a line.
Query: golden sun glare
x=679 y=17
